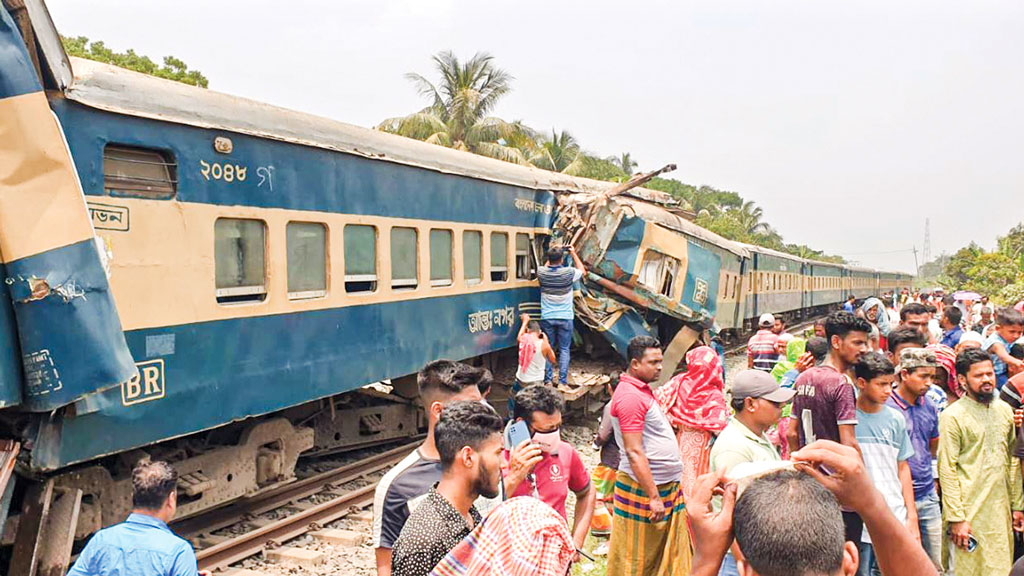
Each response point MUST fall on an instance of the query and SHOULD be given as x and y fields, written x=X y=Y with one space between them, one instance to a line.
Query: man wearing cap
x=916 y=372
x=762 y=349
x=757 y=401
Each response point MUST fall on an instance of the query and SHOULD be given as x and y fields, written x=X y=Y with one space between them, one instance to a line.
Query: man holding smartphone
x=545 y=466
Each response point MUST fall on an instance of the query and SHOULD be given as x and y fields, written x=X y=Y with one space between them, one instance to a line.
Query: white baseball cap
x=766 y=320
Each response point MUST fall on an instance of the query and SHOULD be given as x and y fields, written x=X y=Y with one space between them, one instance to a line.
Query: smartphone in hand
x=516 y=434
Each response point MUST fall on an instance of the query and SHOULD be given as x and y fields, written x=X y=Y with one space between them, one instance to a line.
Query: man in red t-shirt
x=547 y=467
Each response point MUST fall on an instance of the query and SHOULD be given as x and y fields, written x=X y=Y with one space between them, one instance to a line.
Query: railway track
x=225 y=551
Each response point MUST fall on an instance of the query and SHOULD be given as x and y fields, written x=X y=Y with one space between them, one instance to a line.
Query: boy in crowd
x=548 y=467
x=1009 y=327
x=535 y=353
x=910 y=398
x=468 y=437
x=885 y=446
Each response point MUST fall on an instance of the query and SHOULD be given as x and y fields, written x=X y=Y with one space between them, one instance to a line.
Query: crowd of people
x=884 y=440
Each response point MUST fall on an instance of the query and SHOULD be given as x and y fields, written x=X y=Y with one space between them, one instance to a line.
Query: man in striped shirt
x=762 y=349
x=556 y=308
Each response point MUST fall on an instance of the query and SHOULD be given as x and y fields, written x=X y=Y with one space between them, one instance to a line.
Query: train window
x=499 y=257
x=307 y=260
x=472 y=256
x=139 y=172
x=360 y=258
x=440 y=257
x=240 y=257
x=658 y=272
x=526 y=268
x=404 y=259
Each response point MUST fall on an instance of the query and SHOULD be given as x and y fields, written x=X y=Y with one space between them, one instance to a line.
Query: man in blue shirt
x=142 y=545
x=848 y=306
x=556 y=308
x=950 y=323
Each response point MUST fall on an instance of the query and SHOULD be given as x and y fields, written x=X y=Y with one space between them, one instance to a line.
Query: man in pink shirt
x=547 y=467
x=649 y=531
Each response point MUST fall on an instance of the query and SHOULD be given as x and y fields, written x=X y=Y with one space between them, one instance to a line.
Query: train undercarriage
x=215 y=467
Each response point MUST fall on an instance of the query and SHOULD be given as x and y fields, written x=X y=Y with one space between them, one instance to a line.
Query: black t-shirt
x=398 y=493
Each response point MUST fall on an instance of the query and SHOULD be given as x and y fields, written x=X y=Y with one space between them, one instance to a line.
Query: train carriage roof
x=770 y=252
x=658 y=215
x=114 y=89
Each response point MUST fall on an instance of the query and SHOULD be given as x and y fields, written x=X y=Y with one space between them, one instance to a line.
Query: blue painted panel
x=620 y=257
x=228 y=370
x=290 y=176
x=701 y=290
x=10 y=355
x=18 y=74
x=71 y=339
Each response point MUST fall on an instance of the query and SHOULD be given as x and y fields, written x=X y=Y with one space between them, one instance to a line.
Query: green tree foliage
x=1012 y=245
x=957 y=273
x=172 y=69
x=998 y=274
x=460 y=104
x=601 y=169
x=625 y=163
x=931 y=272
x=992 y=272
x=458 y=116
x=560 y=153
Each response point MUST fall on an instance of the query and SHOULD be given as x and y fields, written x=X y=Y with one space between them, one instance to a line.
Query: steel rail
x=289 y=493
x=230 y=551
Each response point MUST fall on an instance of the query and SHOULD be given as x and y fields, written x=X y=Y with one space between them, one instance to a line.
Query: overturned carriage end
x=650 y=274
x=67 y=326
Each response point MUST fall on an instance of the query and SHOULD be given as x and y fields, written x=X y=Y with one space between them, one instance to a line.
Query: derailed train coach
x=214 y=281
x=220 y=283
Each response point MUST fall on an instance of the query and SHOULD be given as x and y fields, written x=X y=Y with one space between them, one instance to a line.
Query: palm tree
x=749 y=216
x=625 y=162
x=457 y=116
x=559 y=154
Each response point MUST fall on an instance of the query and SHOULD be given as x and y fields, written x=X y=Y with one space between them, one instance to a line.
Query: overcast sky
x=848 y=122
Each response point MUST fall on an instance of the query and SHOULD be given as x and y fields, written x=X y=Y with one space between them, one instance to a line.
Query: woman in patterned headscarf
x=945 y=377
x=875 y=313
x=694 y=402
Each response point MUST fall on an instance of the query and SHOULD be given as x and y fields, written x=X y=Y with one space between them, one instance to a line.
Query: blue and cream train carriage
x=211 y=280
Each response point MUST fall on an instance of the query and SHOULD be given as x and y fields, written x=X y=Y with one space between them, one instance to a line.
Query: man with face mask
x=978 y=473
x=548 y=467
x=440 y=383
x=468 y=439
